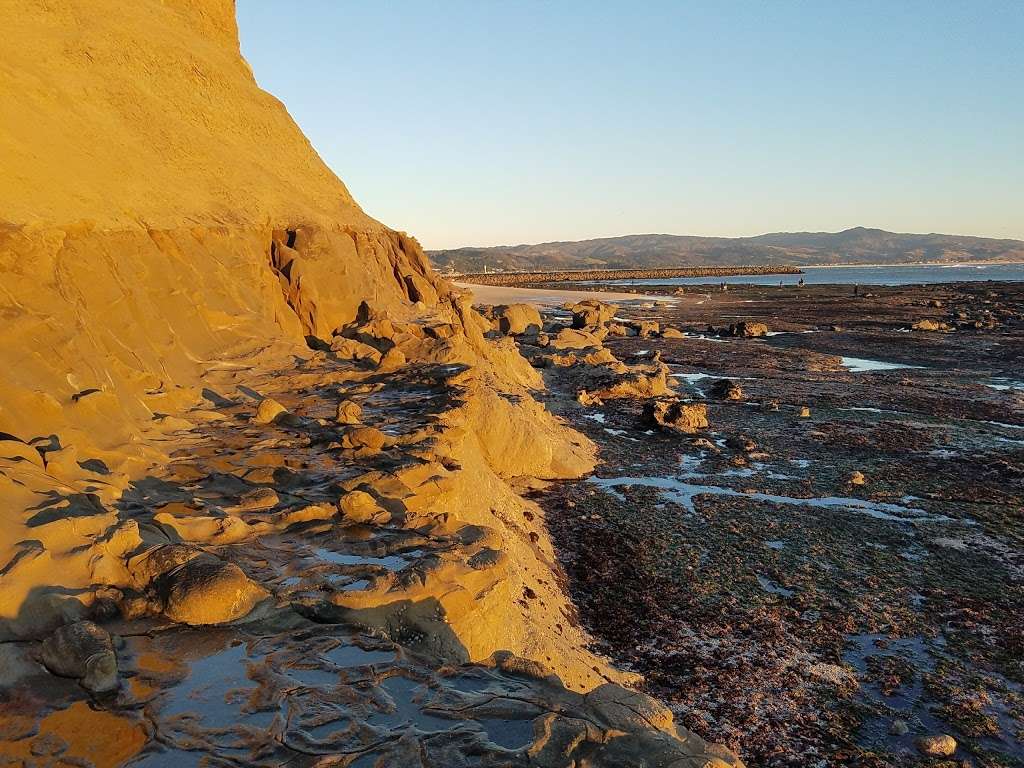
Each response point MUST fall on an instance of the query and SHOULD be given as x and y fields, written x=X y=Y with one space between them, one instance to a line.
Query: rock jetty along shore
x=535 y=278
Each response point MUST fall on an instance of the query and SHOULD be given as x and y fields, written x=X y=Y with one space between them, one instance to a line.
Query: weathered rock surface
x=83 y=651
x=940 y=745
x=747 y=329
x=591 y=314
x=517 y=319
x=727 y=389
x=676 y=415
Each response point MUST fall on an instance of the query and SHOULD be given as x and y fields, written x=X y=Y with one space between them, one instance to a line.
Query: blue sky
x=484 y=123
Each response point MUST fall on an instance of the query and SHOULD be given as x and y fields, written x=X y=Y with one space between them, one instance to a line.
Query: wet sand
x=550 y=297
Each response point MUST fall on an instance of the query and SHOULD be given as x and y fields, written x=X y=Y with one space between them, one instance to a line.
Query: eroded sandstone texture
x=249 y=434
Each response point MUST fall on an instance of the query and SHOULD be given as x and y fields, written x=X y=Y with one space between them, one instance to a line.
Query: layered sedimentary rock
x=229 y=395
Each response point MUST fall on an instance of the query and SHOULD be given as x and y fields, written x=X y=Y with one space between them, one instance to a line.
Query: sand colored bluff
x=250 y=442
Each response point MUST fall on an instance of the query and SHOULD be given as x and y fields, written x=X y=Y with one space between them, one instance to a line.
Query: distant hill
x=852 y=246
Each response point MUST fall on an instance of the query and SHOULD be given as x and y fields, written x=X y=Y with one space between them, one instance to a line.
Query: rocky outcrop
x=232 y=398
x=677 y=416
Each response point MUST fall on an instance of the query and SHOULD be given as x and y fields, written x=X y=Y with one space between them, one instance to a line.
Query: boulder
x=517 y=319
x=85 y=652
x=391 y=360
x=930 y=325
x=258 y=499
x=727 y=389
x=361 y=507
x=269 y=411
x=366 y=439
x=645 y=329
x=208 y=590
x=569 y=338
x=677 y=416
x=740 y=443
x=639 y=386
x=672 y=333
x=356 y=351
x=349 y=412
x=748 y=329
x=591 y=313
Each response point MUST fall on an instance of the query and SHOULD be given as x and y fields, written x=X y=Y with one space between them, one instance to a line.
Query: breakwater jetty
x=568 y=276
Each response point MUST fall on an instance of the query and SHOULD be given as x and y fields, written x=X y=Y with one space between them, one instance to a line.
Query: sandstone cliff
x=229 y=395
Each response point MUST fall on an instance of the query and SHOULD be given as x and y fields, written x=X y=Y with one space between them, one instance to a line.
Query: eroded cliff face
x=229 y=397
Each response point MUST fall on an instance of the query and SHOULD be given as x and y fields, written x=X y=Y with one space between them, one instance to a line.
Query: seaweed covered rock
x=677 y=416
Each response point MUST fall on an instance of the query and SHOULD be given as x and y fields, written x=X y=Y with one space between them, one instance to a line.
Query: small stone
x=857 y=478
x=349 y=412
x=672 y=333
x=269 y=410
x=939 y=745
x=899 y=727
x=805 y=412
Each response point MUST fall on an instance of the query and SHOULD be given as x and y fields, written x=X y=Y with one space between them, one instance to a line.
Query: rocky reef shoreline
x=597 y=275
x=824 y=568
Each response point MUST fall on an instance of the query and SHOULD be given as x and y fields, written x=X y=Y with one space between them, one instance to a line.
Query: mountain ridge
x=856 y=245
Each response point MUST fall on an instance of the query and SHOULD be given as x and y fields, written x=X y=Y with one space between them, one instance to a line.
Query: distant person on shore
x=856 y=289
x=801 y=284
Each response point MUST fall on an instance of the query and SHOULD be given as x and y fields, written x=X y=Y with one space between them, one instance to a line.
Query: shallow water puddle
x=684 y=493
x=620 y=433
x=390 y=562
x=354 y=656
x=773 y=588
x=864 y=365
x=215 y=691
x=401 y=707
x=1004 y=384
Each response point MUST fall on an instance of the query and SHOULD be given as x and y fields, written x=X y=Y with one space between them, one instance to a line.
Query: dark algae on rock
x=841 y=585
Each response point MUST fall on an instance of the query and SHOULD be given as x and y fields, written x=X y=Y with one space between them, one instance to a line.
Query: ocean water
x=911 y=274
